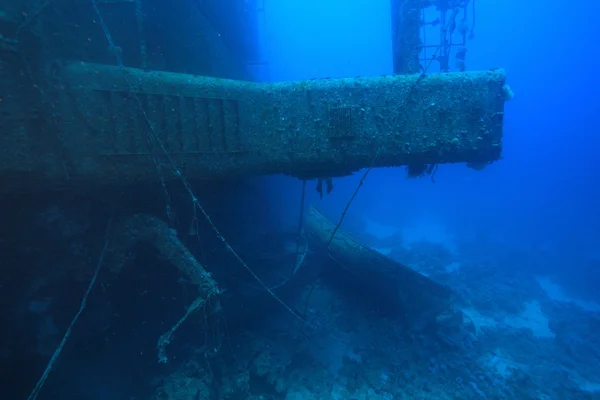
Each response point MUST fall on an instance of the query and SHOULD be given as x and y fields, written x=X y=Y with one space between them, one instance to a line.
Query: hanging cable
x=299 y=232
x=362 y=180
x=155 y=139
x=40 y=383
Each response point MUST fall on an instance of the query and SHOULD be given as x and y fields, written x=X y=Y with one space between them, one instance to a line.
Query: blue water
x=517 y=243
x=543 y=195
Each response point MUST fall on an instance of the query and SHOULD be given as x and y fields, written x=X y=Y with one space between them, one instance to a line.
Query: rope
x=40 y=383
x=360 y=184
x=31 y=17
x=299 y=234
x=166 y=338
x=187 y=186
x=364 y=177
x=362 y=180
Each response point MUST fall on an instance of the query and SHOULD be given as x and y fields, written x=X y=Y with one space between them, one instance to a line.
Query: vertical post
x=406 y=39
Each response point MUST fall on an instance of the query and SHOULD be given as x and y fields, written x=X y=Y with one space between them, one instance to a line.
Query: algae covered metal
x=111 y=124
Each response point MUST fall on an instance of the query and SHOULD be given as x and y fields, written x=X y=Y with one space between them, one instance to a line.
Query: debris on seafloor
x=155 y=232
x=397 y=287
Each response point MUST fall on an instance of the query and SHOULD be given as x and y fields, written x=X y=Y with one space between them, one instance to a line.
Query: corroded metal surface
x=112 y=124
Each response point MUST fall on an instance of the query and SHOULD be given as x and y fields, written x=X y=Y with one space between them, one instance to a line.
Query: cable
x=42 y=380
x=419 y=79
x=187 y=186
x=299 y=233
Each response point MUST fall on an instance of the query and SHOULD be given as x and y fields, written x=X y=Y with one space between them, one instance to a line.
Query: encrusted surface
x=220 y=128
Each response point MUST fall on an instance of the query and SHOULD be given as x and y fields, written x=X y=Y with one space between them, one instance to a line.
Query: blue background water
x=543 y=196
x=520 y=244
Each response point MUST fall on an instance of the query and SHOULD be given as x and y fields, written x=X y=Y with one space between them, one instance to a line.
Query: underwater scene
x=299 y=200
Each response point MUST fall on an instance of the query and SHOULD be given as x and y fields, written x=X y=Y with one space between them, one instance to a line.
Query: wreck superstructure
x=71 y=115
